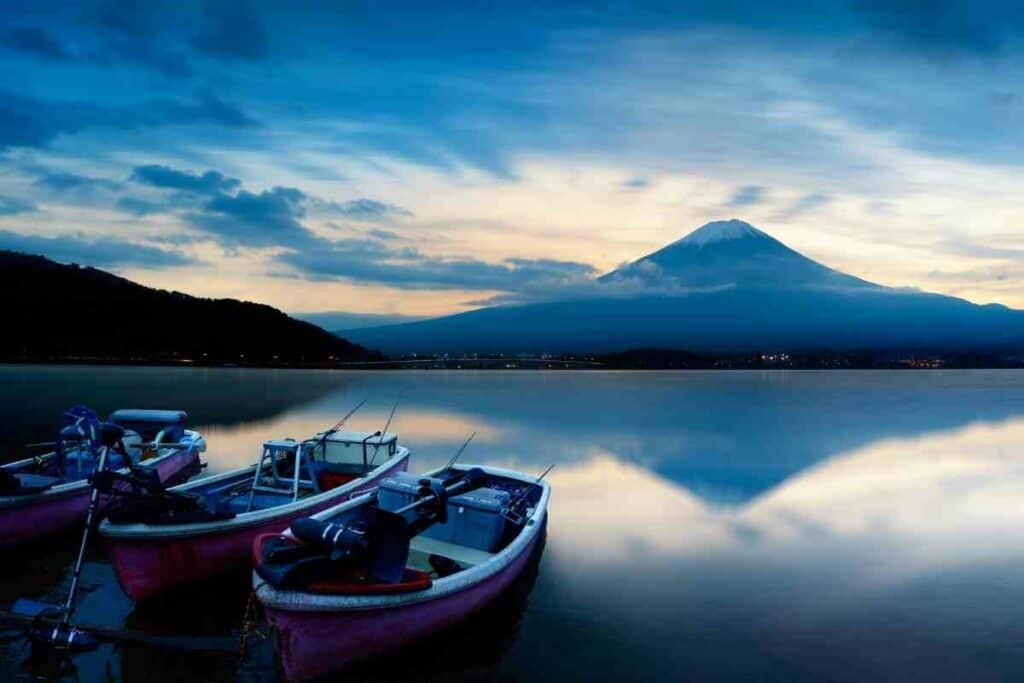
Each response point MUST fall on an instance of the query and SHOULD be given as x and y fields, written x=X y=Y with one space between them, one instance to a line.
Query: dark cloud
x=367 y=209
x=139 y=207
x=211 y=182
x=12 y=205
x=168 y=63
x=233 y=30
x=62 y=181
x=35 y=41
x=101 y=251
x=951 y=26
x=747 y=195
x=267 y=219
x=206 y=107
x=36 y=122
x=637 y=183
x=127 y=18
x=368 y=261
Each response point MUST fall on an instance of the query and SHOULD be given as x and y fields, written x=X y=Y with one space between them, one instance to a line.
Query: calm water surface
x=788 y=526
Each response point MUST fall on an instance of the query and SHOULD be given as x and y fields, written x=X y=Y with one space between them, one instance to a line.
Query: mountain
x=726 y=287
x=56 y=311
x=730 y=253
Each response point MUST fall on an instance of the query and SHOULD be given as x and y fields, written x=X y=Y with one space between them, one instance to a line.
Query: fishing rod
x=337 y=425
x=385 y=430
x=349 y=414
x=459 y=452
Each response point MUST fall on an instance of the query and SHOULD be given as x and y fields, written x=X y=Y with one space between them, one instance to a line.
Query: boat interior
x=474 y=526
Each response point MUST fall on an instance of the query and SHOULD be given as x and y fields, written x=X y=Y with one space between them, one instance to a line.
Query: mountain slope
x=725 y=287
x=64 y=311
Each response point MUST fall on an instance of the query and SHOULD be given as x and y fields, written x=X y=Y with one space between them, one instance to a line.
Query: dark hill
x=56 y=311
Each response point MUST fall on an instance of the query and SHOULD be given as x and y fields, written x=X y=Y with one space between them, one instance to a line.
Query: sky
x=416 y=159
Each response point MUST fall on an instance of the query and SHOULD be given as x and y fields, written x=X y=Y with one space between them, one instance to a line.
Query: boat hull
x=313 y=644
x=150 y=565
x=50 y=512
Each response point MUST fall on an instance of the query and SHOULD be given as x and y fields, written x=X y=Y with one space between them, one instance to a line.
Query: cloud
x=265 y=219
x=211 y=182
x=367 y=209
x=35 y=122
x=35 y=41
x=13 y=205
x=747 y=195
x=139 y=207
x=636 y=183
x=131 y=32
x=377 y=233
x=964 y=246
x=808 y=202
x=100 y=251
x=233 y=30
x=951 y=26
x=369 y=261
x=63 y=181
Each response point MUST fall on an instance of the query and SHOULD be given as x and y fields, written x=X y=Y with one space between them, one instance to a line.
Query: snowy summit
x=721 y=231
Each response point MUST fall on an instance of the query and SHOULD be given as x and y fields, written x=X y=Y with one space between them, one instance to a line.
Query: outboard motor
x=377 y=545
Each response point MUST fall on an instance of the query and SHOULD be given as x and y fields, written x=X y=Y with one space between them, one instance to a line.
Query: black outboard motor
x=378 y=545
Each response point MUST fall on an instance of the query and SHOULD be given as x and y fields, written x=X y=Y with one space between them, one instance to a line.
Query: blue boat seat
x=149 y=423
x=33 y=483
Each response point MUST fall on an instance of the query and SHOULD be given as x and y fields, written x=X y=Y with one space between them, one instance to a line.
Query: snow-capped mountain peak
x=722 y=231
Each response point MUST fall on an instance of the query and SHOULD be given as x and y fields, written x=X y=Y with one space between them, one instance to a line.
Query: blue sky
x=418 y=158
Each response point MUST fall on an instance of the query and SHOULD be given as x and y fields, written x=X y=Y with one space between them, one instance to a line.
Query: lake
x=718 y=526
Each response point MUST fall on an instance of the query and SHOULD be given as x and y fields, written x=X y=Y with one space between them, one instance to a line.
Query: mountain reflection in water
x=708 y=526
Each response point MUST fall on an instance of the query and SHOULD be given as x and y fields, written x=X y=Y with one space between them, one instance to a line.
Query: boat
x=48 y=493
x=379 y=572
x=205 y=528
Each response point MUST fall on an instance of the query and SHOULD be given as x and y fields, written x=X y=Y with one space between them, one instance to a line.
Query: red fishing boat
x=375 y=573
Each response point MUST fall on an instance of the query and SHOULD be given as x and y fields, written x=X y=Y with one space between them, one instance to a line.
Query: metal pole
x=298 y=472
x=69 y=605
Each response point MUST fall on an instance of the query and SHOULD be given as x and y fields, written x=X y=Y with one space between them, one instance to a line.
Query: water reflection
x=709 y=526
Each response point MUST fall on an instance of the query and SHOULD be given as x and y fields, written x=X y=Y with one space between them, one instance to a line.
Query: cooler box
x=474 y=518
x=149 y=423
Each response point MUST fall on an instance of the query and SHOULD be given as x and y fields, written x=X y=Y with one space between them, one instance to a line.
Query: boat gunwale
x=293 y=601
x=161 y=532
x=61 y=491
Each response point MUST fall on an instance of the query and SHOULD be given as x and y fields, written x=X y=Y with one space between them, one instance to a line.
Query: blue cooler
x=475 y=518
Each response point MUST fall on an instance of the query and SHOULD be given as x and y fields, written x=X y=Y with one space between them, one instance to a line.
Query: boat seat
x=261 y=501
x=32 y=483
x=459 y=553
